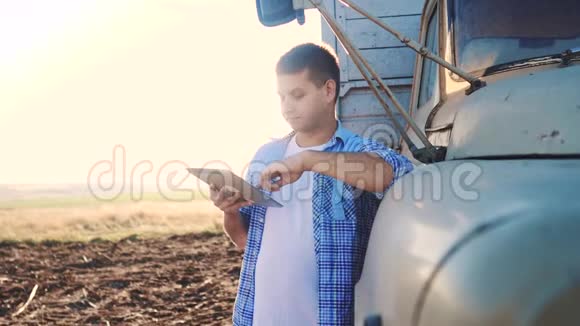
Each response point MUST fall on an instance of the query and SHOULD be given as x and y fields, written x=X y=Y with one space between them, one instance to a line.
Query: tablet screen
x=220 y=178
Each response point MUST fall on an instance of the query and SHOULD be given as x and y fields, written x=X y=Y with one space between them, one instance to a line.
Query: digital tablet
x=220 y=178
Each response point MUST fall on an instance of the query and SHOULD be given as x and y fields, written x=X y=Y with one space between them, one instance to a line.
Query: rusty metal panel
x=384 y=8
x=361 y=112
x=367 y=35
x=389 y=63
x=357 y=107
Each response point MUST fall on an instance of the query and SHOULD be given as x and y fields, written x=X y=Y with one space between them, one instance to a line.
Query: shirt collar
x=341 y=134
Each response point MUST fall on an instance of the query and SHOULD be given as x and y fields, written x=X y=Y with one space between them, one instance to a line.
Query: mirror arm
x=429 y=153
x=475 y=83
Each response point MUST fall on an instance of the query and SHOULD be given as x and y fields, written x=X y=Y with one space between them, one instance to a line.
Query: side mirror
x=278 y=12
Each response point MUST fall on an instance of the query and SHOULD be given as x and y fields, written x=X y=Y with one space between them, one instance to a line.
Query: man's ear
x=330 y=89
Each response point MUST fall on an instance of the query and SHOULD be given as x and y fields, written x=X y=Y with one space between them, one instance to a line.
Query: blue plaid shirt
x=343 y=216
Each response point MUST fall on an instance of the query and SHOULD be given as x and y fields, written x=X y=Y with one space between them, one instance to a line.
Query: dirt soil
x=179 y=280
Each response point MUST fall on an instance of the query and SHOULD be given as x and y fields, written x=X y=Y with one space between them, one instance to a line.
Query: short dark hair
x=320 y=61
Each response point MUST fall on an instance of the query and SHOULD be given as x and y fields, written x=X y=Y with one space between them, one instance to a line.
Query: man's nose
x=287 y=108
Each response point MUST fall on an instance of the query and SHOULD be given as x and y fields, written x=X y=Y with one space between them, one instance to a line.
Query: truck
x=486 y=229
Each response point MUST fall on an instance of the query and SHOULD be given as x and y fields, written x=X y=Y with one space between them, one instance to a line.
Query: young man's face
x=304 y=104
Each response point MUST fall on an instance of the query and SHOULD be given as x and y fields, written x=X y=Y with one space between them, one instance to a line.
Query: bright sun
x=168 y=80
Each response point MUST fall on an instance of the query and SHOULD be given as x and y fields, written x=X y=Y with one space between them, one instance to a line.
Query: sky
x=169 y=80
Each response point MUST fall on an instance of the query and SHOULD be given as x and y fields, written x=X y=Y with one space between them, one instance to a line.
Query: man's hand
x=229 y=200
x=366 y=171
x=283 y=172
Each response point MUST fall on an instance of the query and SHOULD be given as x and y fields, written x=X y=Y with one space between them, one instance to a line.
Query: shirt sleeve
x=252 y=177
x=246 y=211
x=400 y=164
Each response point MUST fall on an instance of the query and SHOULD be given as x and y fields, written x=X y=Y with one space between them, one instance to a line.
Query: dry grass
x=106 y=220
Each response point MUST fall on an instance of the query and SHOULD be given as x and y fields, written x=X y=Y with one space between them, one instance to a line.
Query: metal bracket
x=427 y=156
x=475 y=85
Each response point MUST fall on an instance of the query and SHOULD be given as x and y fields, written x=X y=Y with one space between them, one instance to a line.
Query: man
x=301 y=261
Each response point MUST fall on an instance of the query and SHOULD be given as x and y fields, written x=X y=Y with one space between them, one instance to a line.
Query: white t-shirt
x=286 y=281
